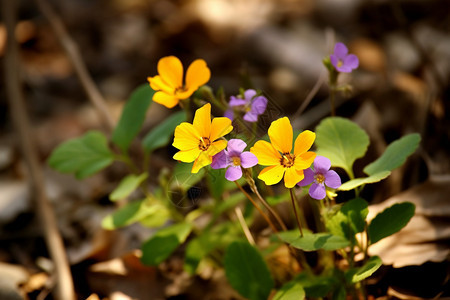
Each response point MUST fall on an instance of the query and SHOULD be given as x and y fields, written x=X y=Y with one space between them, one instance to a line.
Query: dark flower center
x=320 y=178
x=236 y=160
x=287 y=160
x=204 y=143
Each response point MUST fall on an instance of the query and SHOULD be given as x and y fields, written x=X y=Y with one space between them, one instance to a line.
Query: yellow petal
x=292 y=177
x=187 y=155
x=157 y=84
x=304 y=141
x=165 y=99
x=216 y=147
x=186 y=137
x=171 y=71
x=272 y=175
x=220 y=127
x=202 y=120
x=197 y=74
x=280 y=133
x=304 y=161
x=267 y=155
x=202 y=160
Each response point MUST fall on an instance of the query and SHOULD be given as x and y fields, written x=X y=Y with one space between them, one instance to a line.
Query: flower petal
x=317 y=191
x=165 y=99
x=187 y=155
x=351 y=61
x=233 y=173
x=197 y=74
x=272 y=175
x=202 y=160
x=186 y=137
x=332 y=179
x=219 y=127
x=321 y=164
x=202 y=120
x=216 y=147
x=334 y=60
x=304 y=161
x=157 y=84
x=281 y=135
x=235 y=101
x=267 y=155
x=229 y=113
x=303 y=142
x=236 y=146
x=248 y=159
x=259 y=105
x=220 y=160
x=340 y=50
x=308 y=179
x=292 y=177
x=249 y=94
x=171 y=71
x=250 y=117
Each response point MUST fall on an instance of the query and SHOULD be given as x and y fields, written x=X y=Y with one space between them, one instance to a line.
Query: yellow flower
x=277 y=154
x=200 y=140
x=169 y=83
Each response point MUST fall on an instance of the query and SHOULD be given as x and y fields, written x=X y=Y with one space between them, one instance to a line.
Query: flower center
x=320 y=178
x=340 y=63
x=236 y=160
x=180 y=89
x=287 y=160
x=204 y=143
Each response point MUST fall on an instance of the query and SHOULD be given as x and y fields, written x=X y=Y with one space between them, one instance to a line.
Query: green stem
x=294 y=200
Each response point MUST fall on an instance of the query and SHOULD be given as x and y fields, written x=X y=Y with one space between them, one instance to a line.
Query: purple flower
x=234 y=158
x=341 y=61
x=321 y=176
x=252 y=105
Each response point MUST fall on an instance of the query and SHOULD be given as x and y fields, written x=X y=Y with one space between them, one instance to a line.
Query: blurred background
x=277 y=46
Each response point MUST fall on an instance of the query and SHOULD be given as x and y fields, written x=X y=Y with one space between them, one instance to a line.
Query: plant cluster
x=240 y=168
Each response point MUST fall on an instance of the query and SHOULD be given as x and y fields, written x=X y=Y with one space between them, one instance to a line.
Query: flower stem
x=294 y=200
x=244 y=226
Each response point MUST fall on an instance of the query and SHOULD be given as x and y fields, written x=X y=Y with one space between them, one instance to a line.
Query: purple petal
x=236 y=146
x=249 y=94
x=332 y=179
x=220 y=160
x=229 y=113
x=233 y=173
x=259 y=105
x=340 y=50
x=351 y=61
x=248 y=160
x=344 y=69
x=317 y=191
x=250 y=117
x=321 y=164
x=309 y=177
x=334 y=60
x=235 y=101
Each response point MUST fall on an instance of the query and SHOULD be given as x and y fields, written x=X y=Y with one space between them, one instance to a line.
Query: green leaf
x=126 y=186
x=356 y=275
x=160 y=135
x=182 y=178
x=133 y=115
x=395 y=154
x=247 y=271
x=216 y=182
x=342 y=141
x=164 y=242
x=137 y=211
x=356 y=211
x=316 y=241
x=292 y=290
x=390 y=221
x=354 y=183
x=317 y=286
x=82 y=156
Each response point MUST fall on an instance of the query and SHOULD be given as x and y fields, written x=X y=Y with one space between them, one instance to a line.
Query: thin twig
x=310 y=95
x=244 y=226
x=64 y=288
x=294 y=200
x=74 y=55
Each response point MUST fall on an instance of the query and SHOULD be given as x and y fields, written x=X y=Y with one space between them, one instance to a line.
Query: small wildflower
x=321 y=176
x=251 y=104
x=234 y=158
x=278 y=157
x=342 y=61
x=169 y=85
x=200 y=141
